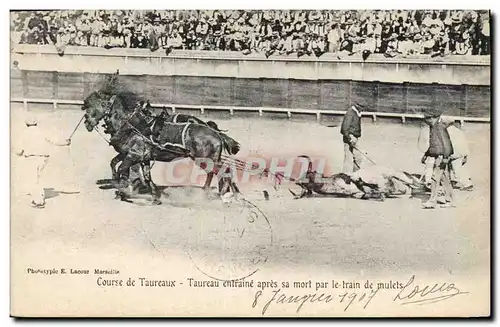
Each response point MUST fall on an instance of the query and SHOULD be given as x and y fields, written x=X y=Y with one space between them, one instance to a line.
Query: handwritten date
x=344 y=299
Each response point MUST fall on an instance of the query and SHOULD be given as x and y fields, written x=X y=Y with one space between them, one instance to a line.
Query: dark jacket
x=439 y=141
x=351 y=124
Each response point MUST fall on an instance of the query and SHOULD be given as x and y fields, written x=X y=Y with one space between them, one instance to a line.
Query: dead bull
x=367 y=183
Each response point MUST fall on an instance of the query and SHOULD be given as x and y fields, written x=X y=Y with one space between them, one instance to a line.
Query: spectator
x=436 y=25
x=454 y=36
x=174 y=41
x=347 y=46
x=428 y=43
x=272 y=44
x=426 y=22
x=138 y=40
x=80 y=39
x=318 y=46
x=286 y=43
x=392 y=46
x=474 y=32
x=418 y=45
x=298 y=44
x=462 y=42
x=414 y=29
x=405 y=46
x=485 y=36
x=440 y=45
x=62 y=36
x=272 y=32
x=334 y=38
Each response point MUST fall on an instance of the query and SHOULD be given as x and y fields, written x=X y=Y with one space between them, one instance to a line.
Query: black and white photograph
x=250 y=163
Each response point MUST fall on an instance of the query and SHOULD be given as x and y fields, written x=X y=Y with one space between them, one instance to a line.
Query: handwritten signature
x=415 y=294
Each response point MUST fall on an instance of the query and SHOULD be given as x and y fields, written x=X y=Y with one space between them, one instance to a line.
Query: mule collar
x=109 y=106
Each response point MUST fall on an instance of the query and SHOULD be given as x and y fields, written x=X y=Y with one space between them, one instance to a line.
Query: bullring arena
x=192 y=236
x=341 y=236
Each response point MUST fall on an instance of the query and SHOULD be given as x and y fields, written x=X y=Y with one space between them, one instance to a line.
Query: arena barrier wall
x=315 y=86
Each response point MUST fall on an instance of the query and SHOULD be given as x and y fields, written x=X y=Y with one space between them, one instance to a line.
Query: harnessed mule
x=138 y=141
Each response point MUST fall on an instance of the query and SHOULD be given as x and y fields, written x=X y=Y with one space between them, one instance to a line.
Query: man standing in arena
x=460 y=177
x=441 y=149
x=35 y=146
x=351 y=132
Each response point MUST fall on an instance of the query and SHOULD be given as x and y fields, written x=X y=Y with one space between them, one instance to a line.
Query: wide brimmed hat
x=237 y=36
x=361 y=104
x=431 y=114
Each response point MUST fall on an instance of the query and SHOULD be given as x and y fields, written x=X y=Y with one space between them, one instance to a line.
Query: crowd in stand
x=271 y=32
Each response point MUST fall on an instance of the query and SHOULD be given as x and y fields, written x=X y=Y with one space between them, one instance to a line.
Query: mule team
x=140 y=137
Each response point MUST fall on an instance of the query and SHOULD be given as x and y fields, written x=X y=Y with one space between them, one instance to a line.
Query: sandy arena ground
x=333 y=236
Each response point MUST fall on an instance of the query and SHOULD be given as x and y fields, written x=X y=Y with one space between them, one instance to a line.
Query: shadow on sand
x=52 y=193
x=177 y=195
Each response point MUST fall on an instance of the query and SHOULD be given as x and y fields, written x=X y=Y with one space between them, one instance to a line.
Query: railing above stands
x=233 y=55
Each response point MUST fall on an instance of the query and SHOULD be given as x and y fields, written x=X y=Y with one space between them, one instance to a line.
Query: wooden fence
x=322 y=96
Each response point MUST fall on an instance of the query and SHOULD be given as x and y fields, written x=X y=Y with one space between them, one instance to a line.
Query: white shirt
x=35 y=141
x=460 y=147
x=370 y=44
x=486 y=28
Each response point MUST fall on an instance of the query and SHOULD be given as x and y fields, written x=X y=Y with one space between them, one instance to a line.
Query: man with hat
x=347 y=45
x=405 y=46
x=285 y=46
x=485 y=34
x=417 y=47
x=35 y=147
x=333 y=38
x=272 y=44
x=441 y=150
x=459 y=175
x=351 y=132
x=174 y=41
